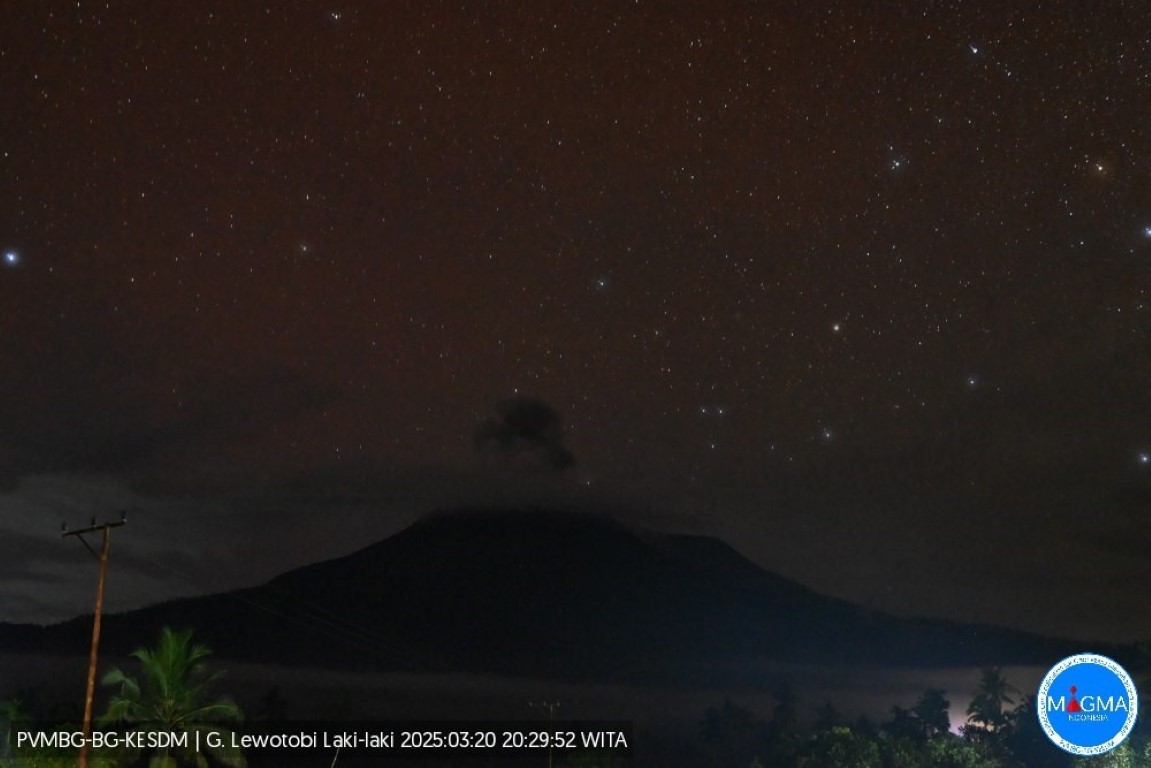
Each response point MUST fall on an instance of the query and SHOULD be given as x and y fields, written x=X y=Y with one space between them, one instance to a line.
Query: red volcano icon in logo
x=1074 y=705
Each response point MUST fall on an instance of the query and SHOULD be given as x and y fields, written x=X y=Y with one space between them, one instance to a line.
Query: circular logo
x=1087 y=704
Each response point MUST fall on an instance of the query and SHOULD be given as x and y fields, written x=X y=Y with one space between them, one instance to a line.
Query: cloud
x=526 y=432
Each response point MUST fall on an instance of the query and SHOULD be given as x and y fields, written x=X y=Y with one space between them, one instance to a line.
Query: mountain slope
x=548 y=594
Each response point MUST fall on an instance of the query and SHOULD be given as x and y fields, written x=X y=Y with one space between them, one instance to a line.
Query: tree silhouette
x=1143 y=668
x=841 y=745
x=1027 y=742
x=987 y=713
x=782 y=733
x=903 y=724
x=785 y=715
x=931 y=711
x=725 y=730
x=173 y=694
x=826 y=717
x=951 y=752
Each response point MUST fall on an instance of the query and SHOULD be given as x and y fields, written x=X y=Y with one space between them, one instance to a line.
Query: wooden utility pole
x=90 y=694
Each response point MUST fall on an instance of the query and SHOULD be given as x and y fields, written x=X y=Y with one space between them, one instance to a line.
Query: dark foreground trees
x=173 y=694
x=999 y=733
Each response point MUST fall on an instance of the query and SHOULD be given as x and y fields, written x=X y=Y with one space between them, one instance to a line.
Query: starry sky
x=861 y=288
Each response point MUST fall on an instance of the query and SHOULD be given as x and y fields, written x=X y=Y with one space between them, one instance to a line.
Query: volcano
x=546 y=594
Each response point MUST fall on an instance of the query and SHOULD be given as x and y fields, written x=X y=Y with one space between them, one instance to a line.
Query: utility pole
x=104 y=528
x=551 y=707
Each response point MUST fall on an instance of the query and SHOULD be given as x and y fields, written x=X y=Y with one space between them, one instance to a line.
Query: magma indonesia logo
x=1087 y=704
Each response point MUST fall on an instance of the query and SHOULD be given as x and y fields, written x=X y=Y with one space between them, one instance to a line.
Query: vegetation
x=987 y=714
x=1002 y=731
x=173 y=694
x=14 y=716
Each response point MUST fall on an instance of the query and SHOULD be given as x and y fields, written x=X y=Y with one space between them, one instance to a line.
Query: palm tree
x=987 y=712
x=724 y=729
x=826 y=717
x=173 y=695
x=932 y=713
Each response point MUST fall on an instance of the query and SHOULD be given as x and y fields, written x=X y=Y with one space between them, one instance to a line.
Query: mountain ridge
x=533 y=592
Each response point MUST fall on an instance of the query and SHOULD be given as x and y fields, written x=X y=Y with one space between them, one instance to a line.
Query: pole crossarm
x=92 y=529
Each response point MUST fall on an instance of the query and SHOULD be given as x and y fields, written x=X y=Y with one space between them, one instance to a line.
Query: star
x=896 y=161
x=11 y=258
x=836 y=327
x=972 y=382
x=1145 y=458
x=1146 y=231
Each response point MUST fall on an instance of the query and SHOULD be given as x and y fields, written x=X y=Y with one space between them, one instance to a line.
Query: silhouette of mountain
x=547 y=594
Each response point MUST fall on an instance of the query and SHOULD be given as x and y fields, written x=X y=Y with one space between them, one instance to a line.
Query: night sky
x=862 y=288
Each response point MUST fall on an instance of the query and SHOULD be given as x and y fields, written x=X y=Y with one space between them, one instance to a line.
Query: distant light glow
x=11 y=258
